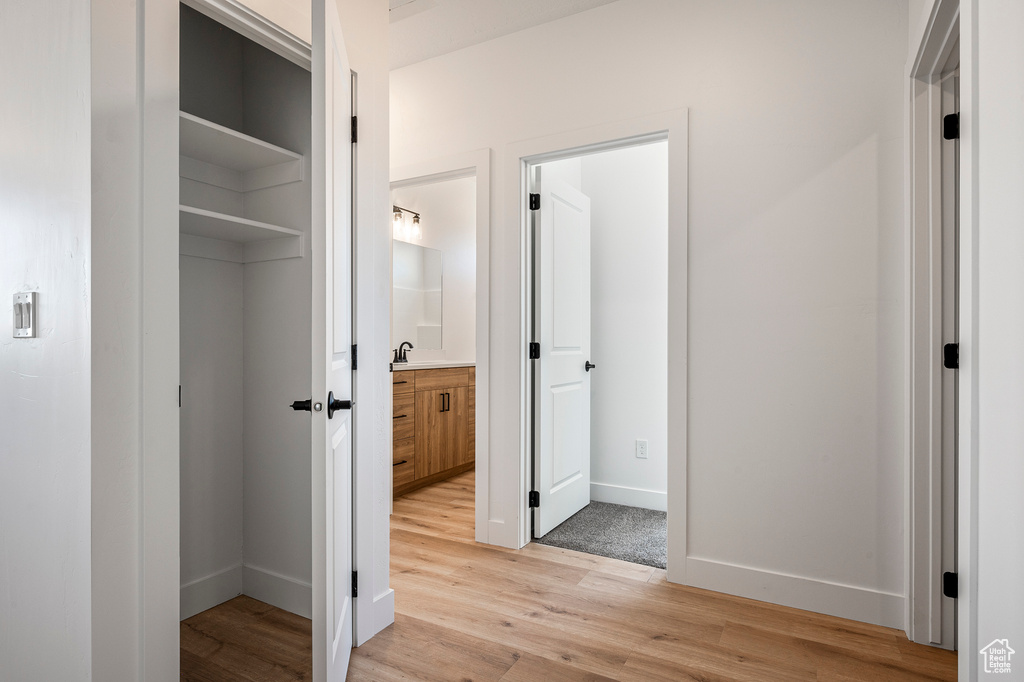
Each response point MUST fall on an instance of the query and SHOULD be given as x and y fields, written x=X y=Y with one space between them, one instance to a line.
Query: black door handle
x=333 y=405
x=589 y=366
x=306 y=405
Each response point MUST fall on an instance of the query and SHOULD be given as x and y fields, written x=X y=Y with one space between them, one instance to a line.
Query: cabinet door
x=431 y=432
x=458 y=451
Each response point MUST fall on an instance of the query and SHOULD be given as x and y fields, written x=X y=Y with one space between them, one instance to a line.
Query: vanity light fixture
x=398 y=222
x=401 y=230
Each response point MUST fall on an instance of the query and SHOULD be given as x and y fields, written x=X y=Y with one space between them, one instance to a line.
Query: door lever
x=333 y=405
x=589 y=366
x=307 y=406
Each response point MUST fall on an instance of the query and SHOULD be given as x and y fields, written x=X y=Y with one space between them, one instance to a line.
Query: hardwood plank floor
x=245 y=640
x=466 y=611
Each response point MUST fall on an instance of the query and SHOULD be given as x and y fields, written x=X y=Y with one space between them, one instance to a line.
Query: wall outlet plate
x=26 y=313
x=641 y=448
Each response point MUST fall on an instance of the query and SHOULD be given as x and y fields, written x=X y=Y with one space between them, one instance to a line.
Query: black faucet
x=400 y=353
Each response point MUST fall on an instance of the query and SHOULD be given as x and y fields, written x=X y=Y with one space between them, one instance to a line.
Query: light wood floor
x=466 y=611
x=244 y=640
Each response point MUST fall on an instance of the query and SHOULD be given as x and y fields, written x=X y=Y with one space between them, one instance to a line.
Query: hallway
x=465 y=610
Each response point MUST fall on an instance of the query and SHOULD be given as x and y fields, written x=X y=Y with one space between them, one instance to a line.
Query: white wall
x=795 y=463
x=45 y=246
x=211 y=429
x=995 y=87
x=448 y=218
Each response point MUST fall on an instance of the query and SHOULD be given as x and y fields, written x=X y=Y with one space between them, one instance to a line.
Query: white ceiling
x=421 y=29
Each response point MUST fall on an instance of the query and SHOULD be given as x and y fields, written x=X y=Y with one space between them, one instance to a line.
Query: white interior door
x=562 y=464
x=332 y=345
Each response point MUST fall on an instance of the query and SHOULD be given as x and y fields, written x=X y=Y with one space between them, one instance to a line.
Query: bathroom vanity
x=434 y=423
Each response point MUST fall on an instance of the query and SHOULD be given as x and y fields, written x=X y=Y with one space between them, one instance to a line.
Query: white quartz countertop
x=401 y=366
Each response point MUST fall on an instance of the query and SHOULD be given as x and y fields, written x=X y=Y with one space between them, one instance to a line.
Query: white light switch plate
x=26 y=312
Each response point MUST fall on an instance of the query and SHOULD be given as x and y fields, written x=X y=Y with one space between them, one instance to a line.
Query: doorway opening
x=438 y=347
x=245 y=301
x=598 y=255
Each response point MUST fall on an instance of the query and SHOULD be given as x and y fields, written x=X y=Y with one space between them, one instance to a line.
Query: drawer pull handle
x=402 y=462
x=399 y=382
x=401 y=416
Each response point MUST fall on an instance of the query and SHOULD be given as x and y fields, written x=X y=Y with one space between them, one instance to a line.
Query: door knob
x=333 y=405
x=306 y=405
x=589 y=366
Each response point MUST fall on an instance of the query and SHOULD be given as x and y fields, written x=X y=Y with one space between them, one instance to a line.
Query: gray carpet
x=612 y=530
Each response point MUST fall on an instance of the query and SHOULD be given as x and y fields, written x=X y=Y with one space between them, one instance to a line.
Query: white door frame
x=923 y=287
x=469 y=164
x=509 y=522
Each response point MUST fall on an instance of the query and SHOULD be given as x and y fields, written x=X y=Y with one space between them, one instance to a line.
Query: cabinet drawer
x=449 y=377
x=403 y=450
x=403 y=382
x=402 y=474
x=403 y=413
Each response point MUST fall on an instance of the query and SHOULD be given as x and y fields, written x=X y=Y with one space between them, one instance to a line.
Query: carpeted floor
x=612 y=530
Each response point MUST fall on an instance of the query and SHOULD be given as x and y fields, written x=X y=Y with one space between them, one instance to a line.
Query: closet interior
x=245 y=316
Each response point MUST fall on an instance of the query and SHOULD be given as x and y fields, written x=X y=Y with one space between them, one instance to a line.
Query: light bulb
x=417 y=232
x=398 y=223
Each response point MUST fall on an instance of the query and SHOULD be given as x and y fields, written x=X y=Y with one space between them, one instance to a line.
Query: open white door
x=332 y=347
x=562 y=465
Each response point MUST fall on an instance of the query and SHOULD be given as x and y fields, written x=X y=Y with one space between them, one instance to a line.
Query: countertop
x=402 y=366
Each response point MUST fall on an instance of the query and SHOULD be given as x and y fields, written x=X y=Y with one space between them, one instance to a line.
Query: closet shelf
x=219 y=156
x=212 y=225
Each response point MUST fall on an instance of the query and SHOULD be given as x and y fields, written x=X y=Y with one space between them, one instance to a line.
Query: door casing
x=926 y=500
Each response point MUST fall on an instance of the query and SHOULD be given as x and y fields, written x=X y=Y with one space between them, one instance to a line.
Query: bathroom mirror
x=416 y=296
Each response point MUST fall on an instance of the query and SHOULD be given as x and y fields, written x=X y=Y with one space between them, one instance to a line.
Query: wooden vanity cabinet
x=434 y=430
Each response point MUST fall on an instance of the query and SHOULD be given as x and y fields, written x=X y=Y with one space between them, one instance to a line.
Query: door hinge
x=951 y=127
x=534 y=201
x=355 y=129
x=534 y=350
x=179 y=395
x=950 y=587
x=355 y=356
x=951 y=356
x=355 y=584
x=534 y=499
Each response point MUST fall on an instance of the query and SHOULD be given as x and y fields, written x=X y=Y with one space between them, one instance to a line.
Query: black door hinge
x=355 y=129
x=355 y=584
x=534 y=499
x=950 y=586
x=951 y=356
x=534 y=201
x=179 y=395
x=534 y=350
x=951 y=127
x=355 y=356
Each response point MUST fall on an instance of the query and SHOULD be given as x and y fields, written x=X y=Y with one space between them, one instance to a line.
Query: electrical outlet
x=641 y=448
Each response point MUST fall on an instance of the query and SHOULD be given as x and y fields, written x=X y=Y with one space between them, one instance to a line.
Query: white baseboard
x=845 y=601
x=205 y=593
x=278 y=590
x=631 y=497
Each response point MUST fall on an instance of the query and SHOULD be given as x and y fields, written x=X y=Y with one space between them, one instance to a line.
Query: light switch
x=25 y=315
